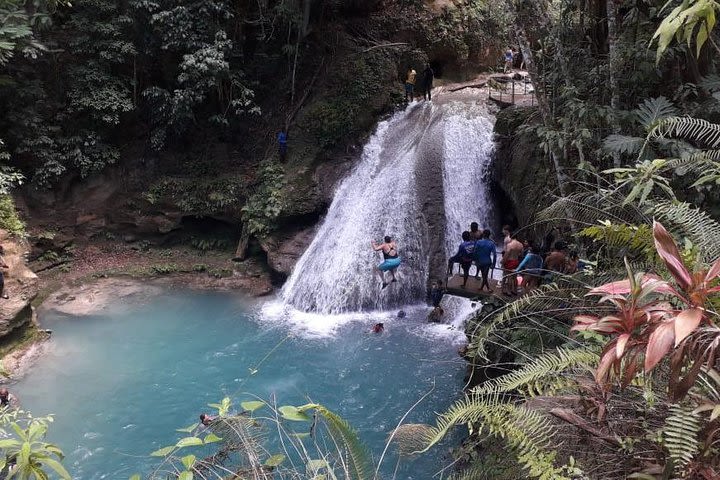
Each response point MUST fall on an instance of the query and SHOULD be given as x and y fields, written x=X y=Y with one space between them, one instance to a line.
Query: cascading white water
x=468 y=147
x=414 y=159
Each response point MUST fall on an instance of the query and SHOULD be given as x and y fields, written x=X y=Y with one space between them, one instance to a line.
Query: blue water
x=120 y=384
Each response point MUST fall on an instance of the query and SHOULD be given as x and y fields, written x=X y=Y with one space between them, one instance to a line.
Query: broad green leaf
x=275 y=460
x=211 y=438
x=189 y=442
x=290 y=412
x=252 y=405
x=57 y=468
x=135 y=477
x=185 y=476
x=187 y=429
x=163 y=451
x=188 y=461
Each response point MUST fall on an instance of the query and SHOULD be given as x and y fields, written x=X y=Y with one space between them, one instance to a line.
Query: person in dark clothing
x=282 y=144
x=428 y=77
x=436 y=294
x=2 y=276
x=464 y=256
x=485 y=257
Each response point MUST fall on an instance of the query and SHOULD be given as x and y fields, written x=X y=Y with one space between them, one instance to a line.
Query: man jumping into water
x=391 y=259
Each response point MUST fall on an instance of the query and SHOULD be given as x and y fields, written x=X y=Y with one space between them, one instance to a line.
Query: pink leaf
x=659 y=344
x=621 y=287
x=713 y=272
x=621 y=342
x=686 y=322
x=606 y=362
x=668 y=251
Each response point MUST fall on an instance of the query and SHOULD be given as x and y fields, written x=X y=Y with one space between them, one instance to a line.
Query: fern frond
x=635 y=240
x=680 y=436
x=623 y=144
x=591 y=208
x=359 y=465
x=653 y=110
x=695 y=224
x=696 y=130
x=557 y=300
x=526 y=432
x=548 y=366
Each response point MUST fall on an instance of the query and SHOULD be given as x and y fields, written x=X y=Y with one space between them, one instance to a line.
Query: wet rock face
x=21 y=285
x=519 y=168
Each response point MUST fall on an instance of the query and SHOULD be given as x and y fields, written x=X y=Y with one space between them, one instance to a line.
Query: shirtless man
x=511 y=261
x=557 y=261
x=391 y=259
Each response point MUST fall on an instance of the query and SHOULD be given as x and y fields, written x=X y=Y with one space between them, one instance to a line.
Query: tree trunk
x=543 y=103
x=307 y=4
x=613 y=66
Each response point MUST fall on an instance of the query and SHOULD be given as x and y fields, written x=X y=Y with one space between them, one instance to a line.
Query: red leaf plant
x=642 y=321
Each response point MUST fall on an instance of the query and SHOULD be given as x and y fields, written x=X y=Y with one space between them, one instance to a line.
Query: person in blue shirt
x=485 y=257
x=531 y=268
x=464 y=257
x=282 y=144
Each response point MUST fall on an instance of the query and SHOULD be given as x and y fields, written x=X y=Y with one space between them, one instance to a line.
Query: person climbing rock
x=428 y=77
x=485 y=258
x=282 y=144
x=464 y=257
x=391 y=259
x=2 y=276
x=378 y=328
x=410 y=85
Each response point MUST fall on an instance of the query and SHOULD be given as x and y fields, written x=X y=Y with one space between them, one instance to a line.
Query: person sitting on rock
x=2 y=276
x=531 y=269
x=391 y=259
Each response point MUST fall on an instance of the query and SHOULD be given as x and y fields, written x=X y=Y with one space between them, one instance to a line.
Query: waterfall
x=420 y=180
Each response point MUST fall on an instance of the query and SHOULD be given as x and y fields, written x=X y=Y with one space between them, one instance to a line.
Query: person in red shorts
x=510 y=261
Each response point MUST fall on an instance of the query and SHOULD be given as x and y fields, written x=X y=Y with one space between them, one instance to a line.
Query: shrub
x=9 y=219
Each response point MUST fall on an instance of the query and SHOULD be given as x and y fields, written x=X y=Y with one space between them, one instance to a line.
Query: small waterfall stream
x=421 y=181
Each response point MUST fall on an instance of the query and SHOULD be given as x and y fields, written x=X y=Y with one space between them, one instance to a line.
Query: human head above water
x=388 y=239
x=466 y=235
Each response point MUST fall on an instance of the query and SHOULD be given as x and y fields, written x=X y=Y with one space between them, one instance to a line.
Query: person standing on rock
x=510 y=261
x=485 y=257
x=2 y=276
x=509 y=56
x=464 y=256
x=391 y=259
x=428 y=77
x=410 y=85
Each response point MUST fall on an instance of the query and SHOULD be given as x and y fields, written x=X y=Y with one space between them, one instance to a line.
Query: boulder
x=285 y=248
x=21 y=284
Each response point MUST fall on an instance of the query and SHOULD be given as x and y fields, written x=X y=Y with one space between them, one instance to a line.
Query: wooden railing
x=506 y=89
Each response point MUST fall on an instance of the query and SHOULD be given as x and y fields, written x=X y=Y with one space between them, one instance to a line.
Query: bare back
x=513 y=250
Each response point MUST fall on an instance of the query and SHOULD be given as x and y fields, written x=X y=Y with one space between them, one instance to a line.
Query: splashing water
x=421 y=181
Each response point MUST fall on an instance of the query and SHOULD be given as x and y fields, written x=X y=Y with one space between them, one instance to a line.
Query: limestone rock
x=21 y=284
x=285 y=248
